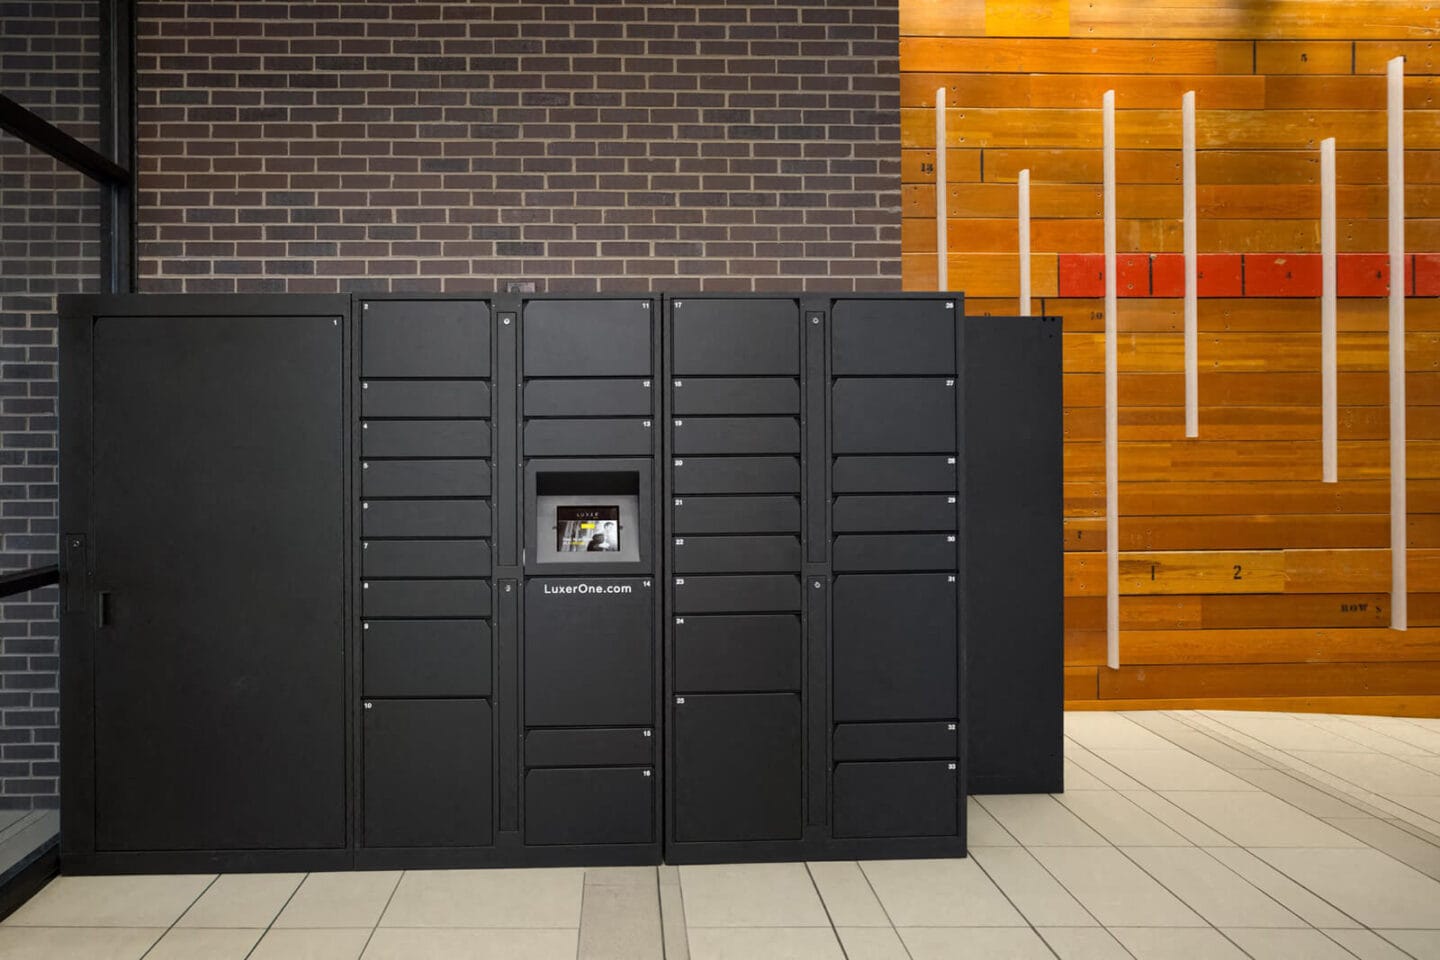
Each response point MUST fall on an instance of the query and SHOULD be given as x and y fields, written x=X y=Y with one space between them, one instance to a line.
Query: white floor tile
x=1289 y=894
x=1212 y=889
x=1401 y=844
x=1114 y=889
x=1119 y=820
x=772 y=943
x=1100 y=770
x=242 y=900
x=1255 y=819
x=1097 y=729
x=1368 y=885
x=1078 y=778
x=1287 y=944
x=75 y=943
x=1191 y=944
x=1176 y=819
x=1287 y=733
x=982 y=830
x=1367 y=945
x=1084 y=943
x=1367 y=737
x=847 y=895
x=871 y=943
x=993 y=943
x=1387 y=776
x=334 y=900
x=124 y=901
x=751 y=895
x=1172 y=769
x=1040 y=820
x=487 y=898
x=1420 y=944
x=311 y=945
x=1426 y=806
x=1408 y=731
x=203 y=944
x=939 y=893
x=493 y=944
x=1031 y=888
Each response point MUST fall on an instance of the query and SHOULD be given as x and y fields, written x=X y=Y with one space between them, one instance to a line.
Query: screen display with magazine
x=587 y=529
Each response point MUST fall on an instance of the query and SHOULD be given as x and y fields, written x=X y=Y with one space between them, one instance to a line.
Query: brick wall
x=49 y=243
x=456 y=146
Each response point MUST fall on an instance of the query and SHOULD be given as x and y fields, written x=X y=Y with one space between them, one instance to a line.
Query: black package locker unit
x=406 y=581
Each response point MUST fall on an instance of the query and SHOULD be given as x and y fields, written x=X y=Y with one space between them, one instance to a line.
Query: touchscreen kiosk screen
x=587 y=529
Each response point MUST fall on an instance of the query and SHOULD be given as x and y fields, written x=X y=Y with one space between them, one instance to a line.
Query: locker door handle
x=102 y=608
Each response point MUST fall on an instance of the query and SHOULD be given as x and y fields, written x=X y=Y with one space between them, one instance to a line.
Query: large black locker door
x=896 y=656
x=737 y=767
x=589 y=648
x=219 y=501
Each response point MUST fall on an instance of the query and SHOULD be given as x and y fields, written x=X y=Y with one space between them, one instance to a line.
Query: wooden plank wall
x=1245 y=581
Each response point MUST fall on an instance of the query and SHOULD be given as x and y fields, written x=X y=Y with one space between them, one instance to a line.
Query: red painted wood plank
x=1217 y=275
x=1282 y=275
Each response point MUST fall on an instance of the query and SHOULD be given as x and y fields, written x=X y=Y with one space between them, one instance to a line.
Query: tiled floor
x=1182 y=835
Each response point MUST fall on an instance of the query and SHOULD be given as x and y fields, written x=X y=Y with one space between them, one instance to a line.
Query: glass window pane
x=50 y=63
x=49 y=244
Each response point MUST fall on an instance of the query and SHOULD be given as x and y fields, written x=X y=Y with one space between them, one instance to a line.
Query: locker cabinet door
x=898 y=514
x=425 y=518
x=425 y=478
x=590 y=747
x=700 y=475
x=737 y=773
x=736 y=554
x=587 y=338
x=895 y=643
x=589 y=398
x=736 y=338
x=736 y=396
x=857 y=553
x=736 y=515
x=425 y=398
x=590 y=805
x=588 y=655
x=722 y=654
x=404 y=599
x=894 y=474
x=426 y=658
x=588 y=438
x=894 y=416
x=427 y=770
x=425 y=438
x=906 y=799
x=735 y=435
x=425 y=338
x=888 y=337
x=425 y=558
x=760 y=594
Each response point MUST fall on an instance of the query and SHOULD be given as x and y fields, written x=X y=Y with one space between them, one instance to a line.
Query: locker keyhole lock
x=506 y=321
x=815 y=320
x=817 y=584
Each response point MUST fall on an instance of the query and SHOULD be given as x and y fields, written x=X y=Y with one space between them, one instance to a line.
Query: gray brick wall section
x=454 y=146
x=49 y=244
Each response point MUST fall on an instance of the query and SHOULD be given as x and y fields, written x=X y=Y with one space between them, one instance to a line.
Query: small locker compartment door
x=700 y=515
x=863 y=552
x=588 y=438
x=587 y=338
x=909 y=514
x=588 y=398
x=701 y=475
x=425 y=478
x=737 y=594
x=585 y=805
x=422 y=399
x=426 y=658
x=425 y=438
x=425 y=518
x=737 y=653
x=886 y=337
x=894 y=474
x=427 y=773
x=735 y=338
x=736 y=435
x=914 y=798
x=895 y=643
x=894 y=416
x=589 y=652
x=735 y=396
x=736 y=554
x=737 y=772
x=424 y=338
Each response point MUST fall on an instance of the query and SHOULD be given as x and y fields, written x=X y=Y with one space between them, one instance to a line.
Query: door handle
x=102 y=608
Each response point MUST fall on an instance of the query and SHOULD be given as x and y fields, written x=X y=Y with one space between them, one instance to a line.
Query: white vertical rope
x=942 y=245
x=1192 y=292
x=1024 y=204
x=1329 y=414
x=1395 y=143
x=1112 y=399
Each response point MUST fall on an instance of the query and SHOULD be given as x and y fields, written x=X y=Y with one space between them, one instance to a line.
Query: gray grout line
x=1015 y=907
x=579 y=921
x=826 y=907
x=381 y=915
x=269 y=926
x=886 y=910
x=178 y=917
